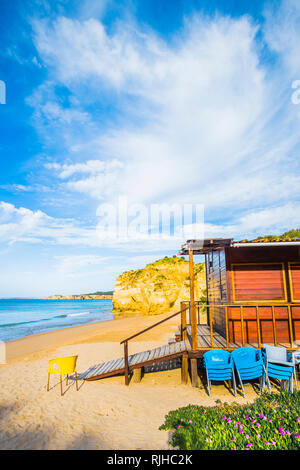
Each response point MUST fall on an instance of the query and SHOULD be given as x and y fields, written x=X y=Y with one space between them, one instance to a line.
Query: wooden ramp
x=135 y=361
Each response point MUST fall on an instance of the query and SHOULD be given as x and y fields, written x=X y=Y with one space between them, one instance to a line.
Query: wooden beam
x=184 y=369
x=137 y=375
x=192 y=300
x=194 y=372
x=183 y=322
x=126 y=363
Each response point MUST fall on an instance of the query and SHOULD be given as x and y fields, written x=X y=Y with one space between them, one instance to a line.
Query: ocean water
x=24 y=317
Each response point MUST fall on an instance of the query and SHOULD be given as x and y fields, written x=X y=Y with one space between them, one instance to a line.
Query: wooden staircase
x=135 y=361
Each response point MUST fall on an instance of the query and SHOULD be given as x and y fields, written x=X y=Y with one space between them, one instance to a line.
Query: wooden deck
x=136 y=361
x=219 y=342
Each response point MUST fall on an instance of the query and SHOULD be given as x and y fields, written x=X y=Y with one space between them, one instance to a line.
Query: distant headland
x=94 y=296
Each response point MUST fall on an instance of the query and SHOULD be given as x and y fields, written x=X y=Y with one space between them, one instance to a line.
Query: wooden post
x=211 y=329
x=194 y=372
x=137 y=375
x=274 y=325
x=227 y=330
x=242 y=325
x=126 y=363
x=258 y=327
x=192 y=300
x=291 y=327
x=184 y=369
x=183 y=322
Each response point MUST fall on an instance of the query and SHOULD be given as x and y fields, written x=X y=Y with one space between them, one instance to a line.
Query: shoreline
x=114 y=330
x=102 y=414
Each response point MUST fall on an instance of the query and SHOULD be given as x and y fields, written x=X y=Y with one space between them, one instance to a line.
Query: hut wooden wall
x=260 y=275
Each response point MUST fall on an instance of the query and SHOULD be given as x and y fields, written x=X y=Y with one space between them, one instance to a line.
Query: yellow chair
x=63 y=366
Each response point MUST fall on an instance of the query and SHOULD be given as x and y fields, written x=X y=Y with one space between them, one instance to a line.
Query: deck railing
x=126 y=340
x=242 y=319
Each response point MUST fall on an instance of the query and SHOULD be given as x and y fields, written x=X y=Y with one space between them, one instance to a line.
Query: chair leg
x=241 y=384
x=208 y=383
x=295 y=378
x=234 y=383
x=76 y=381
x=61 y=390
x=48 y=382
x=67 y=381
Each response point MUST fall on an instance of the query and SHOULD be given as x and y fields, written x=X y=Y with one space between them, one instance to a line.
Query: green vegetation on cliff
x=158 y=288
x=289 y=236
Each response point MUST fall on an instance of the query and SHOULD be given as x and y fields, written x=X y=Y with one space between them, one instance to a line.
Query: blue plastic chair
x=280 y=365
x=219 y=366
x=249 y=365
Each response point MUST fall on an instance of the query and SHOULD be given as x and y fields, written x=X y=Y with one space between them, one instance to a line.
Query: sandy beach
x=103 y=414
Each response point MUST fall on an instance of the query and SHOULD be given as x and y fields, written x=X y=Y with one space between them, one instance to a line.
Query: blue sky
x=170 y=102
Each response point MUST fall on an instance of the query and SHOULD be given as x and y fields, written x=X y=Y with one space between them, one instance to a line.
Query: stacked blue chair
x=249 y=365
x=280 y=365
x=219 y=366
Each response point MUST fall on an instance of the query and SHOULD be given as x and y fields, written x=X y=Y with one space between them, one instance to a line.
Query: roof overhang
x=200 y=247
x=206 y=245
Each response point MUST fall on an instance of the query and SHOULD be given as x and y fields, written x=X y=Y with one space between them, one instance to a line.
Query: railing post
x=258 y=326
x=192 y=299
x=274 y=325
x=226 y=321
x=126 y=363
x=242 y=325
x=183 y=322
x=291 y=327
x=211 y=329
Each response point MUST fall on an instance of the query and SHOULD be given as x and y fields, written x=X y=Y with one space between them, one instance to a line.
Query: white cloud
x=101 y=182
x=207 y=113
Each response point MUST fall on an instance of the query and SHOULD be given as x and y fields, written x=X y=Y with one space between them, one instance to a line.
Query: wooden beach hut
x=253 y=297
x=253 y=294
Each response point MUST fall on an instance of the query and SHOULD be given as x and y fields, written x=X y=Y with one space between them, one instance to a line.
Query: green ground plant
x=271 y=422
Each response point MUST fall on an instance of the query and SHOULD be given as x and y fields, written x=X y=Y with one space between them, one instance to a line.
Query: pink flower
x=228 y=420
x=233 y=439
x=252 y=420
x=297 y=420
x=257 y=425
x=178 y=426
x=268 y=443
x=270 y=420
x=258 y=435
x=249 y=444
x=261 y=415
x=247 y=416
x=273 y=442
x=241 y=431
x=190 y=421
x=247 y=436
x=223 y=417
x=298 y=435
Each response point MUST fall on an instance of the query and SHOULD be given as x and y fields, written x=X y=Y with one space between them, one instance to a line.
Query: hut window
x=258 y=282
x=294 y=274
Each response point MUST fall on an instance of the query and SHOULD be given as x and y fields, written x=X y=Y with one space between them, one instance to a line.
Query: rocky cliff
x=158 y=288
x=80 y=297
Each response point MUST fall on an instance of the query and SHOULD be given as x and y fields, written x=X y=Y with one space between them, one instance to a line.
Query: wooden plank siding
x=258 y=282
x=294 y=278
x=216 y=288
